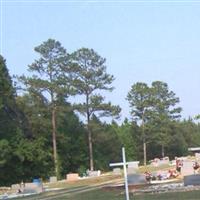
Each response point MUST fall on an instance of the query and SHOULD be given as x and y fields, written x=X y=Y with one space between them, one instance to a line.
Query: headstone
x=131 y=170
x=33 y=188
x=187 y=168
x=133 y=164
x=173 y=163
x=159 y=162
x=197 y=156
x=94 y=173
x=132 y=167
x=192 y=180
x=155 y=162
x=53 y=179
x=72 y=177
x=117 y=171
x=164 y=161
x=136 y=179
x=16 y=187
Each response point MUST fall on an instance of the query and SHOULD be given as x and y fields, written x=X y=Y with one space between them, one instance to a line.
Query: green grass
x=83 y=182
x=113 y=195
x=151 y=168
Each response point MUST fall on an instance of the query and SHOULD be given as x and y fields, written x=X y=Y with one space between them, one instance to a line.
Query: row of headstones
x=75 y=176
x=158 y=162
x=132 y=167
x=133 y=177
x=187 y=167
x=37 y=187
x=27 y=188
x=187 y=172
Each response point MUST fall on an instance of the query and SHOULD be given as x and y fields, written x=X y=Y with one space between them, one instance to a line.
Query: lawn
x=86 y=189
x=106 y=195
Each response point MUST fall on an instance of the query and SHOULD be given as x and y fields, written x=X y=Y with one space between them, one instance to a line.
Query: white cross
x=124 y=163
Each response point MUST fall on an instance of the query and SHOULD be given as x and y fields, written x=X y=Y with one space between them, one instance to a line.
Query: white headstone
x=53 y=179
x=117 y=171
x=187 y=168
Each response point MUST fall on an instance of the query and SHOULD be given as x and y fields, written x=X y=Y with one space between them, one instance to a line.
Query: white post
x=125 y=173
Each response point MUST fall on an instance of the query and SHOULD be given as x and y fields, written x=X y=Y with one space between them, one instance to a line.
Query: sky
x=142 y=41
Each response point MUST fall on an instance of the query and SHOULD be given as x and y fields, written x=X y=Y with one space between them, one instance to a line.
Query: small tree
x=91 y=78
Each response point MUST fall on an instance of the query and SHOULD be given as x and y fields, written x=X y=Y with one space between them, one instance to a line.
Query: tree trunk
x=145 y=153
x=89 y=135
x=90 y=148
x=144 y=141
x=163 y=151
x=54 y=140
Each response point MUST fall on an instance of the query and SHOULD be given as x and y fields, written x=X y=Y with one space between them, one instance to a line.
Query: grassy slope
x=105 y=195
x=117 y=195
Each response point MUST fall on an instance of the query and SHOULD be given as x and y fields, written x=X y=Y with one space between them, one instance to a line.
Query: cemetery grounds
x=102 y=194
x=95 y=189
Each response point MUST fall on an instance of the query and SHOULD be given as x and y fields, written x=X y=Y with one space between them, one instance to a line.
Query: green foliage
x=38 y=114
x=90 y=77
x=50 y=77
x=164 y=111
x=23 y=159
x=139 y=98
x=107 y=145
x=155 y=107
x=71 y=136
x=6 y=151
x=26 y=121
x=9 y=120
x=127 y=135
x=72 y=145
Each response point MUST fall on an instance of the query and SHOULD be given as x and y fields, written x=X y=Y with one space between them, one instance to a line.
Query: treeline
x=41 y=131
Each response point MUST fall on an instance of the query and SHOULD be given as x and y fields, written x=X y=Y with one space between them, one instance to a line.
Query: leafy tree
x=91 y=78
x=5 y=152
x=9 y=115
x=12 y=123
x=38 y=114
x=127 y=135
x=32 y=157
x=50 y=80
x=107 y=144
x=71 y=141
x=190 y=131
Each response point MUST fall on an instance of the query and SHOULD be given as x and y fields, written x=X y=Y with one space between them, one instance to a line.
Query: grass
x=151 y=168
x=103 y=194
x=113 y=195
x=83 y=182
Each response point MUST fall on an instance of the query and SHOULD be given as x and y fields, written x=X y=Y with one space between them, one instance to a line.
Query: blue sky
x=142 y=41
